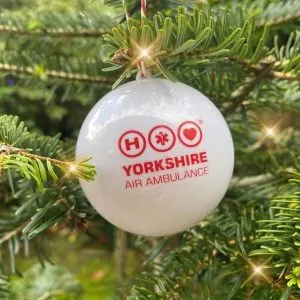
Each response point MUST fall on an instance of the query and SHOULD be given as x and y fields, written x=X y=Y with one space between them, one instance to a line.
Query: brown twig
x=57 y=33
x=12 y=233
x=120 y=254
x=9 y=150
x=57 y=74
x=237 y=182
x=284 y=76
x=174 y=292
x=257 y=68
x=282 y=20
x=243 y=91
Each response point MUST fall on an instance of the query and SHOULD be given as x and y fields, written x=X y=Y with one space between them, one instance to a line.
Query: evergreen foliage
x=57 y=60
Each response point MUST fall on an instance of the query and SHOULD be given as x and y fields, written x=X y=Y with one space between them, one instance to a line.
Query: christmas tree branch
x=164 y=41
x=243 y=91
x=4 y=287
x=256 y=68
x=279 y=235
x=38 y=167
x=278 y=13
x=85 y=23
x=283 y=76
x=281 y=20
x=181 y=283
x=56 y=74
x=57 y=33
x=237 y=182
x=35 y=166
x=167 y=284
x=13 y=233
x=54 y=206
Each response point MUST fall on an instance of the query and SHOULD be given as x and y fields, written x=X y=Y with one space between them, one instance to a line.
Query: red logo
x=161 y=138
x=189 y=134
x=132 y=143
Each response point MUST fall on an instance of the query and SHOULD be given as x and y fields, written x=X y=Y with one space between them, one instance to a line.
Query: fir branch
x=256 y=68
x=31 y=165
x=59 y=24
x=32 y=71
x=164 y=38
x=8 y=150
x=37 y=167
x=13 y=233
x=237 y=182
x=181 y=283
x=242 y=92
x=282 y=20
x=56 y=33
x=283 y=76
x=184 y=58
x=169 y=287
x=278 y=13
x=53 y=207
x=12 y=131
x=4 y=287
x=279 y=235
x=166 y=44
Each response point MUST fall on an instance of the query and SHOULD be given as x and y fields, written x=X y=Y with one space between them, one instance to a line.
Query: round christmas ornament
x=164 y=156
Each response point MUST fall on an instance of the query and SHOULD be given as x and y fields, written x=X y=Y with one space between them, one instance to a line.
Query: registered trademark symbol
x=200 y=121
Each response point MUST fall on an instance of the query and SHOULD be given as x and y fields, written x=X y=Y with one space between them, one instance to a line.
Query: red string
x=143 y=8
x=141 y=64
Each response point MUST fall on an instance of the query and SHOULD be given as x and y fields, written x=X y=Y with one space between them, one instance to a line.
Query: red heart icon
x=190 y=133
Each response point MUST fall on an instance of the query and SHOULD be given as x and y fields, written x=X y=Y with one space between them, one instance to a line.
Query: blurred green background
x=78 y=270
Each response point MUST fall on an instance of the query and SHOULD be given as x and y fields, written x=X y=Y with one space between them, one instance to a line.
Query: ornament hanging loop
x=143 y=72
x=143 y=8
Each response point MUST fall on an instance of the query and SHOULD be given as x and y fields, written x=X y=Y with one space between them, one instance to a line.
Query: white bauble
x=164 y=156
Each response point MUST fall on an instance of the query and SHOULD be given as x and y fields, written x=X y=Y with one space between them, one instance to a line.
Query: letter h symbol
x=135 y=142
